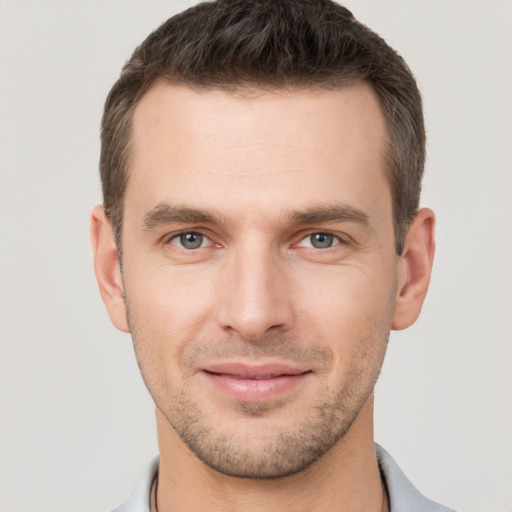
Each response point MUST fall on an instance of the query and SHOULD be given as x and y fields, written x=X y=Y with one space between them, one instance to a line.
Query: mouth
x=255 y=382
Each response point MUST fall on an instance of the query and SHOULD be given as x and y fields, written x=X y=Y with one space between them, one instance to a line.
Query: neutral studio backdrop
x=77 y=424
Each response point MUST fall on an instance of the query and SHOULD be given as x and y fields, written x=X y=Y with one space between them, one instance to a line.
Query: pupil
x=191 y=240
x=321 y=240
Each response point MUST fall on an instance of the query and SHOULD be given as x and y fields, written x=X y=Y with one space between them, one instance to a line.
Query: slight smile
x=255 y=382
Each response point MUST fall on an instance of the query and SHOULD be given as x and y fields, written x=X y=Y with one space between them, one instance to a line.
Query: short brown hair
x=269 y=44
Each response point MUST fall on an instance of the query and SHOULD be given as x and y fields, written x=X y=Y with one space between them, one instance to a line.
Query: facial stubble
x=265 y=450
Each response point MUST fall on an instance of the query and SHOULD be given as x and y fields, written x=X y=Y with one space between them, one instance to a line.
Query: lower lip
x=256 y=389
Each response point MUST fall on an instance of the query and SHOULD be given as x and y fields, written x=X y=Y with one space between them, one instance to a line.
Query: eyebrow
x=330 y=213
x=164 y=214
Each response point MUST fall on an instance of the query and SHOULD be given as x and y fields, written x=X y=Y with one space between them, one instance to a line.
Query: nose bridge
x=255 y=297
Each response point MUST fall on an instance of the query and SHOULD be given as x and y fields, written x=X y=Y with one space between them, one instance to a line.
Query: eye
x=320 y=240
x=189 y=240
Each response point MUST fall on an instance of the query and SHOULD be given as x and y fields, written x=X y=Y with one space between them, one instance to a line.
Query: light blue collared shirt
x=403 y=496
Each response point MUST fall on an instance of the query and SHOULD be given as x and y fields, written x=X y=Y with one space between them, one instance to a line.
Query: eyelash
x=177 y=236
x=337 y=240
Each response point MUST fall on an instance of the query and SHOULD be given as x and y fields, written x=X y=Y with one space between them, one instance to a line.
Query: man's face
x=259 y=268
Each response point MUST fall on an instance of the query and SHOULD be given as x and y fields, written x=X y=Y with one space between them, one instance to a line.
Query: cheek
x=167 y=309
x=350 y=311
x=346 y=299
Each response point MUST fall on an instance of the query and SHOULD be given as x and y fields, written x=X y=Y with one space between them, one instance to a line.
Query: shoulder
x=403 y=496
x=139 y=499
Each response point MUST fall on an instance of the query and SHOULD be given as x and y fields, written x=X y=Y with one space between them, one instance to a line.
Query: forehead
x=260 y=148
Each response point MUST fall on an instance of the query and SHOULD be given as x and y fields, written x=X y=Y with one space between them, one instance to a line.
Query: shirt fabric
x=403 y=496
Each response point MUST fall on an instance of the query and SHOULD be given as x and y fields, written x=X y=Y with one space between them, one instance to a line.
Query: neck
x=345 y=478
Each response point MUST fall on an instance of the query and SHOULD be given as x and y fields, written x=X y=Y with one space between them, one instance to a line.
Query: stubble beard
x=248 y=454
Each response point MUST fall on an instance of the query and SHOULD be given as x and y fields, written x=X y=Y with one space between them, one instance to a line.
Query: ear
x=108 y=269
x=414 y=271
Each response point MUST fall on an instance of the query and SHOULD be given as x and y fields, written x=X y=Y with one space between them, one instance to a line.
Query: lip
x=262 y=382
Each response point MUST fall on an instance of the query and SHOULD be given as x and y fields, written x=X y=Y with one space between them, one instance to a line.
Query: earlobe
x=415 y=268
x=107 y=268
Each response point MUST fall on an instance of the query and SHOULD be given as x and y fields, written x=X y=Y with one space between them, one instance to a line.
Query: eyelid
x=336 y=240
x=341 y=238
x=168 y=239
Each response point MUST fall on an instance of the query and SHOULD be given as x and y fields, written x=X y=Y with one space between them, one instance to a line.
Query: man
x=260 y=236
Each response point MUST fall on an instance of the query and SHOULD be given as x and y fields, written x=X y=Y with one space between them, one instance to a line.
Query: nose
x=254 y=295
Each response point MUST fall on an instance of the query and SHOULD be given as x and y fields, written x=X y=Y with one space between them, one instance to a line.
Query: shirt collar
x=403 y=496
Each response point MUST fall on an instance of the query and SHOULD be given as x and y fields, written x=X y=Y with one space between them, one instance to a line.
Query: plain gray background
x=77 y=424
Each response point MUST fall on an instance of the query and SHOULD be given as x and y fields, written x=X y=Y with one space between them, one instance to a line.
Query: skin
x=257 y=176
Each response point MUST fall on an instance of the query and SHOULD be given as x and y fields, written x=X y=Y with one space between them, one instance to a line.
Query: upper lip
x=252 y=371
